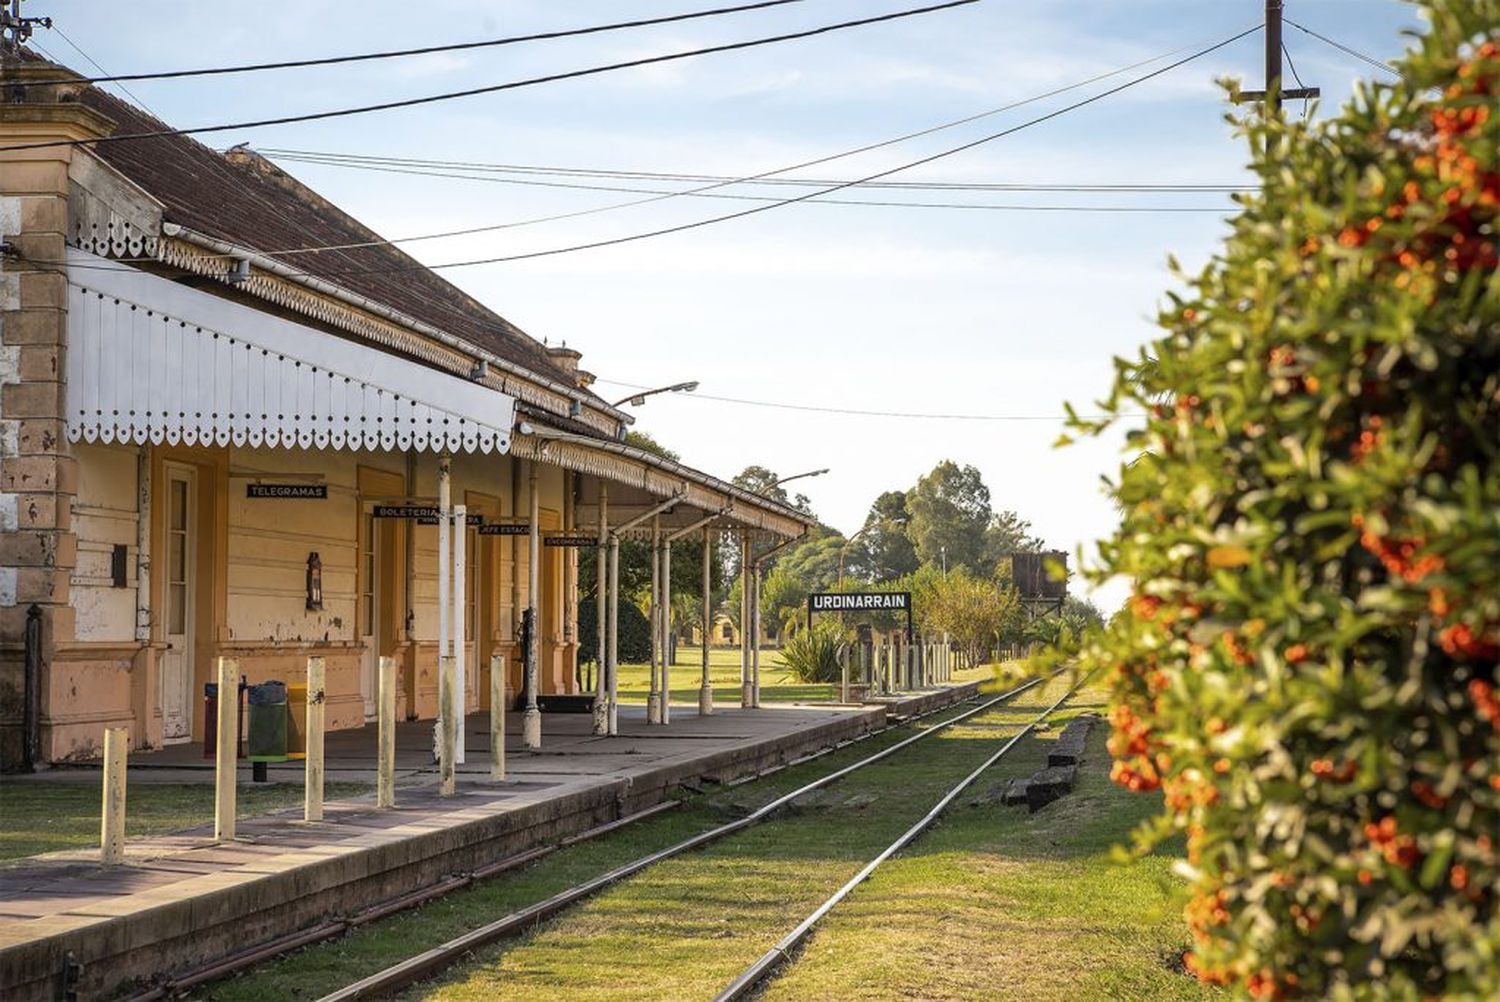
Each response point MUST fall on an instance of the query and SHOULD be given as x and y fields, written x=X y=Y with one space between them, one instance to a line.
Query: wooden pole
x=666 y=630
x=227 y=748
x=385 y=791
x=653 y=693
x=601 y=634
x=312 y=776
x=497 y=716
x=112 y=825
x=447 y=784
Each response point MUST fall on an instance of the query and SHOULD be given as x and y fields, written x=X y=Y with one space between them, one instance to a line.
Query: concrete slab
x=182 y=901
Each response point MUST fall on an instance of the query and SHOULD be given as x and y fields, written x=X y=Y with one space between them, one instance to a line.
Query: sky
x=993 y=313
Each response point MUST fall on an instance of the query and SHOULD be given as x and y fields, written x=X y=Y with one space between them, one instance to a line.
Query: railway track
x=433 y=961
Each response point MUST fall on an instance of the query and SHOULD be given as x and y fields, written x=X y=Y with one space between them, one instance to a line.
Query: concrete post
x=312 y=765
x=447 y=782
x=444 y=569
x=844 y=674
x=614 y=634
x=457 y=631
x=112 y=824
x=747 y=686
x=531 y=720
x=666 y=630
x=601 y=589
x=653 y=695
x=385 y=756
x=706 y=690
x=226 y=750
x=497 y=717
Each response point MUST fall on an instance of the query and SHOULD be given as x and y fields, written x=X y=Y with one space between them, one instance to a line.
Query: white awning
x=152 y=360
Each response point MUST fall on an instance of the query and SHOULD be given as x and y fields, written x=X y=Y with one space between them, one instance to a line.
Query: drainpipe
x=531 y=721
x=143 y=547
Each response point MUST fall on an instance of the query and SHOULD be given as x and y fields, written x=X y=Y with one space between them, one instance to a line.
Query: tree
x=975 y=612
x=950 y=512
x=1307 y=670
x=884 y=550
x=1006 y=534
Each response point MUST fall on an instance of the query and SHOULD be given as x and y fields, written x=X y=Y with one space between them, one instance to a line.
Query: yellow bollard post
x=385 y=791
x=497 y=716
x=447 y=782
x=312 y=765
x=226 y=751
x=112 y=826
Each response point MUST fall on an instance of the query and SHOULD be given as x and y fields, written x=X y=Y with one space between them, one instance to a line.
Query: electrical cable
x=496 y=88
x=357 y=161
x=1379 y=64
x=425 y=50
x=742 y=198
x=764 y=176
x=857 y=412
x=1296 y=76
x=696 y=224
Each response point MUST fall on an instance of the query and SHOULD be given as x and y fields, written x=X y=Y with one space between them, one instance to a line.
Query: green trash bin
x=266 y=741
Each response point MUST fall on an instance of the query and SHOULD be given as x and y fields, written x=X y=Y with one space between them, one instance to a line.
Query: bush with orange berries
x=1307 y=671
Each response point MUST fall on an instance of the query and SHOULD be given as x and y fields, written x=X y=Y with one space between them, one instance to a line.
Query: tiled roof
x=242 y=198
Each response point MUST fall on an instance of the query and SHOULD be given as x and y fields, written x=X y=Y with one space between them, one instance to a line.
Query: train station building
x=232 y=416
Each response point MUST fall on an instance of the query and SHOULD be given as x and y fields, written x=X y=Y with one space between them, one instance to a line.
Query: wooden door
x=180 y=600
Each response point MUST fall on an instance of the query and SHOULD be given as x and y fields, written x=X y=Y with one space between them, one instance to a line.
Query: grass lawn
x=997 y=903
x=777 y=684
x=38 y=817
x=993 y=904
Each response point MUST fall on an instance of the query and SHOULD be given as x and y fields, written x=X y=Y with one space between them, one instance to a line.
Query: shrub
x=1307 y=667
x=813 y=655
x=634 y=644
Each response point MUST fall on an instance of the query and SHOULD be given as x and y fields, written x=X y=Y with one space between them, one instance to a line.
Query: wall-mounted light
x=314 y=583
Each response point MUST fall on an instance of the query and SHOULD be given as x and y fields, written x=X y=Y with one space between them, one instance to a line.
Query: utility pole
x=16 y=28
x=1275 y=94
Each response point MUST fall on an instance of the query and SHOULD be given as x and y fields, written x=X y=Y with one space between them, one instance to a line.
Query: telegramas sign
x=864 y=601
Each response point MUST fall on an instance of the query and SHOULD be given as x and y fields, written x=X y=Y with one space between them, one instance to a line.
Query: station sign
x=505 y=529
x=572 y=539
x=286 y=491
x=859 y=601
x=425 y=514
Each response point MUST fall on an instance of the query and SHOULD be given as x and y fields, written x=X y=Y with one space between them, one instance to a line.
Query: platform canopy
x=150 y=359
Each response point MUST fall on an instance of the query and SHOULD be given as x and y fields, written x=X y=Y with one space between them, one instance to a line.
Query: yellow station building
x=227 y=409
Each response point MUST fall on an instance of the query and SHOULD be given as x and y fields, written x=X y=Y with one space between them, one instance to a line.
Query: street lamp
x=637 y=399
x=796 y=476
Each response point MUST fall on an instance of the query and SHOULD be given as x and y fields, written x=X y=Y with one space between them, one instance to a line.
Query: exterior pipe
x=143 y=546
x=460 y=705
x=444 y=566
x=343 y=295
x=531 y=720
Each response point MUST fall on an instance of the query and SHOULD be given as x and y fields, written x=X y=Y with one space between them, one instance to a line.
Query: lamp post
x=637 y=399
x=794 y=476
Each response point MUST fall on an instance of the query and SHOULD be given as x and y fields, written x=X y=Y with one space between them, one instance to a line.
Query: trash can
x=266 y=737
x=211 y=719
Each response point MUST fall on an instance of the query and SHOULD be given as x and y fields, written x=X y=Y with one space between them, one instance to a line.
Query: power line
x=360 y=160
x=107 y=77
x=768 y=176
x=1379 y=64
x=745 y=198
x=857 y=412
x=496 y=88
x=664 y=231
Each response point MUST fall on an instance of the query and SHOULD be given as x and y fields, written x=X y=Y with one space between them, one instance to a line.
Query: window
x=728 y=631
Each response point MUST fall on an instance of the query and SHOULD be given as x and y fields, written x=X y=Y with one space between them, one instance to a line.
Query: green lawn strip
x=37 y=817
x=998 y=903
x=777 y=683
x=319 y=969
x=686 y=927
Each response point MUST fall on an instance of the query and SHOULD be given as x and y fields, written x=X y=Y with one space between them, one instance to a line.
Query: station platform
x=183 y=903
